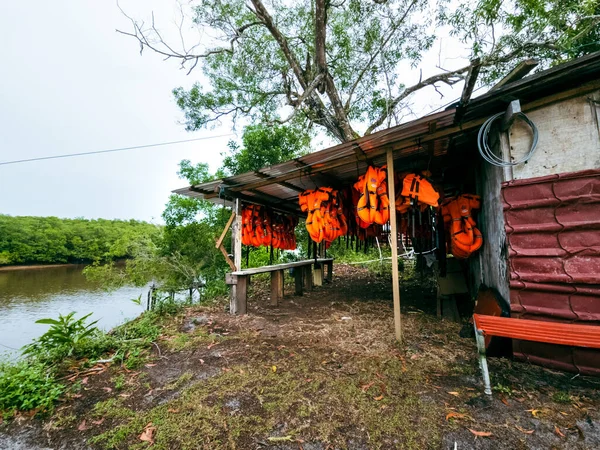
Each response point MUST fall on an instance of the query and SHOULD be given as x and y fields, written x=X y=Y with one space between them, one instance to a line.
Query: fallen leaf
x=481 y=433
x=279 y=347
x=378 y=398
x=150 y=365
x=107 y=389
x=125 y=395
x=75 y=395
x=455 y=415
x=365 y=387
x=84 y=380
x=274 y=369
x=209 y=346
x=503 y=400
x=563 y=413
x=225 y=369
x=534 y=412
x=456 y=394
x=173 y=410
x=201 y=361
x=82 y=426
x=148 y=433
x=308 y=380
x=523 y=430
x=415 y=356
x=557 y=431
x=98 y=422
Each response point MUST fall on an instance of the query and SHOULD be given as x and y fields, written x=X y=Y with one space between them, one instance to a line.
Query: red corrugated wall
x=553 y=232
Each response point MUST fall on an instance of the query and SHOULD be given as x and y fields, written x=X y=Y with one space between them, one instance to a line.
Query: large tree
x=336 y=63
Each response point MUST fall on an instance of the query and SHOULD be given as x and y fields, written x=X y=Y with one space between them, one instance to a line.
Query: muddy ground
x=321 y=371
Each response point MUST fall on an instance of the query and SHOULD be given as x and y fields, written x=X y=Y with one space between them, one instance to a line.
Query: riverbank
x=36 y=266
x=319 y=371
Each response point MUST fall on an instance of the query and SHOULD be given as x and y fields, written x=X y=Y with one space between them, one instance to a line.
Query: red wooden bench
x=530 y=330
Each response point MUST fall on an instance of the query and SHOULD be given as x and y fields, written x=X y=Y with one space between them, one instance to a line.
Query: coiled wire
x=486 y=152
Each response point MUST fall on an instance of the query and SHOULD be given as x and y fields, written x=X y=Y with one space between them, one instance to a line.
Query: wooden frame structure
x=428 y=141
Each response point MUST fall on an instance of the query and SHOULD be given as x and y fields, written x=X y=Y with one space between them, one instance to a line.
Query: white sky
x=69 y=83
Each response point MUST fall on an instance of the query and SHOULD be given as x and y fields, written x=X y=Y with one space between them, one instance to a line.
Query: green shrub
x=27 y=385
x=63 y=336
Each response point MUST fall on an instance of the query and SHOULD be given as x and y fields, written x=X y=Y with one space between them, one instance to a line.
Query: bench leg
x=318 y=275
x=239 y=296
x=298 y=280
x=483 y=361
x=276 y=287
x=329 y=272
x=308 y=278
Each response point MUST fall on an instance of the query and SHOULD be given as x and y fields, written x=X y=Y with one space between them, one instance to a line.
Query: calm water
x=32 y=294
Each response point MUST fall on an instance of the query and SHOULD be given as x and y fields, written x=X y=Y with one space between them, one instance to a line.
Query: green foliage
x=264 y=146
x=65 y=334
x=47 y=240
x=27 y=385
x=552 y=31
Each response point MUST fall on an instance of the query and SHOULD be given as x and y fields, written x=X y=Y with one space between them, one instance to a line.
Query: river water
x=27 y=295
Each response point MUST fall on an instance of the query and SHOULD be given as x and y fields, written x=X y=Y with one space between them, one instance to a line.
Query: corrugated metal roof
x=553 y=232
x=425 y=137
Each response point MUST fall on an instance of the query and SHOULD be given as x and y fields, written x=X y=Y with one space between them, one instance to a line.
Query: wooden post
x=394 y=243
x=298 y=279
x=329 y=271
x=237 y=302
x=308 y=278
x=276 y=287
x=318 y=274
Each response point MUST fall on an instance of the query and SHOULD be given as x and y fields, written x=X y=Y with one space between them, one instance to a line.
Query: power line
x=122 y=149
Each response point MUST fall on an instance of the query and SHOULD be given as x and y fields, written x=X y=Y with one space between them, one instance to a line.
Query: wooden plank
x=298 y=280
x=276 y=287
x=308 y=277
x=513 y=108
x=394 y=244
x=522 y=69
x=225 y=230
x=227 y=258
x=284 y=266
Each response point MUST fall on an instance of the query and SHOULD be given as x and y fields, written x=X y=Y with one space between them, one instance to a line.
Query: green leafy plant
x=27 y=385
x=137 y=301
x=64 y=334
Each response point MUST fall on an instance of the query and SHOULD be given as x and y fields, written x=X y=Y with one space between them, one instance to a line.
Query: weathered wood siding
x=568 y=138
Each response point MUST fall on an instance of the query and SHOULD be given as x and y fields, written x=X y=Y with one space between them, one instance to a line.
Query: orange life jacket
x=464 y=237
x=325 y=221
x=373 y=202
x=418 y=188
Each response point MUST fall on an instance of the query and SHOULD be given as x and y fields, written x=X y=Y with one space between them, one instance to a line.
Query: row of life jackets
x=325 y=219
x=373 y=204
x=263 y=227
x=463 y=236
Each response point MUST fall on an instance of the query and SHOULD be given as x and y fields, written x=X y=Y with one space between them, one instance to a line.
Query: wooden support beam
x=318 y=274
x=238 y=300
x=512 y=110
x=522 y=69
x=308 y=278
x=329 y=277
x=227 y=258
x=225 y=230
x=276 y=287
x=394 y=244
x=298 y=280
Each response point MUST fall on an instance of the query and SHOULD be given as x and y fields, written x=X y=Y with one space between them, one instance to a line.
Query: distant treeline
x=50 y=240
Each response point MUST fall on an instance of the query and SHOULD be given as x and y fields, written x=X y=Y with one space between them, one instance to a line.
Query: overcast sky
x=68 y=84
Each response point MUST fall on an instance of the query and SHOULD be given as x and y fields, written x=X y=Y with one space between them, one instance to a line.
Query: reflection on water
x=31 y=294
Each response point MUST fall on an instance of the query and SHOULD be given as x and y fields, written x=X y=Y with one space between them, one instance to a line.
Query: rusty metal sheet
x=553 y=232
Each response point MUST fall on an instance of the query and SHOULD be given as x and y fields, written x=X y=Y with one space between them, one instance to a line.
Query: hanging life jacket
x=373 y=204
x=420 y=189
x=464 y=237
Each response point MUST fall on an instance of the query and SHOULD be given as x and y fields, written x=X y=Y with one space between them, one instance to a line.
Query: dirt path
x=321 y=371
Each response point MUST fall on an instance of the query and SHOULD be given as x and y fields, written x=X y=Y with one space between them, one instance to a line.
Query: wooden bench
x=530 y=330
x=304 y=275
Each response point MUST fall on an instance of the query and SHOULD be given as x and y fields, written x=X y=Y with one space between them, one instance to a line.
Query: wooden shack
x=540 y=220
